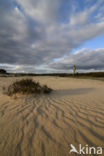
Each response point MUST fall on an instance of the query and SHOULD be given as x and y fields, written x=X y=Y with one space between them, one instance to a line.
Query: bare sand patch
x=46 y=125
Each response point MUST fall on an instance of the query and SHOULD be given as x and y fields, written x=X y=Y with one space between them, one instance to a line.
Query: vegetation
x=91 y=74
x=27 y=86
x=3 y=71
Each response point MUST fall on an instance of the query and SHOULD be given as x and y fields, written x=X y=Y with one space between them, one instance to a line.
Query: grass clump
x=27 y=86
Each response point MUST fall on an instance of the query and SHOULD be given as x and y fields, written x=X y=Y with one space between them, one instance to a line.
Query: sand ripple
x=47 y=125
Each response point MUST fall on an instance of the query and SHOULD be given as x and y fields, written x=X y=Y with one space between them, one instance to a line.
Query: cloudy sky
x=44 y=36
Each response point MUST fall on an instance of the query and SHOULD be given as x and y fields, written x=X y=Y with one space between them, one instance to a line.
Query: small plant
x=27 y=86
x=46 y=89
x=3 y=71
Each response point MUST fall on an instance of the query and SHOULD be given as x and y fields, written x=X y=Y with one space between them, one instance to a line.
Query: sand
x=46 y=125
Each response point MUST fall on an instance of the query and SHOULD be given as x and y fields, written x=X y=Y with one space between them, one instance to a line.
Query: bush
x=2 y=71
x=27 y=86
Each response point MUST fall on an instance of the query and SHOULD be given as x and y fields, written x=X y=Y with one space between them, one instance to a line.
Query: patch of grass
x=27 y=86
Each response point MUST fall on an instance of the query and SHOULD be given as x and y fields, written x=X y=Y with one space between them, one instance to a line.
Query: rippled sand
x=46 y=125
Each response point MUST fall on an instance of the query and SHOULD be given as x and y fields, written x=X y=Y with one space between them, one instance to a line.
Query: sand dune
x=46 y=125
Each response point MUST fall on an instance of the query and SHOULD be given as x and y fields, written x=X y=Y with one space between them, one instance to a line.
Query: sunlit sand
x=46 y=125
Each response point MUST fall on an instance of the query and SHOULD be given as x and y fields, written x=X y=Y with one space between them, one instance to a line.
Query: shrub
x=3 y=71
x=27 y=86
x=46 y=89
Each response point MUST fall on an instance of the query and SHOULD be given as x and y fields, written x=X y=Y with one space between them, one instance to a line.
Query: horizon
x=51 y=36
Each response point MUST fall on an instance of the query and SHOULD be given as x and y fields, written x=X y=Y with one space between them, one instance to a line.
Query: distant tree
x=3 y=71
x=74 y=69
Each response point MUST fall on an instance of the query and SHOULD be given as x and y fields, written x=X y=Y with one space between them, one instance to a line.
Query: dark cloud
x=83 y=59
x=33 y=33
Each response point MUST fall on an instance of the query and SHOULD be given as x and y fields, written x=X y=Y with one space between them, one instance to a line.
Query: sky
x=49 y=36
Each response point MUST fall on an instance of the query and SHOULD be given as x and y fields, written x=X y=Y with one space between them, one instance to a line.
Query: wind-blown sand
x=46 y=125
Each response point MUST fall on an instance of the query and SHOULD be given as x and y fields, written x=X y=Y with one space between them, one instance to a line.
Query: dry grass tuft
x=27 y=86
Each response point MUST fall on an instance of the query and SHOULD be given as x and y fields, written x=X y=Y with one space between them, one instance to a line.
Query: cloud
x=80 y=18
x=84 y=59
x=43 y=11
x=34 y=33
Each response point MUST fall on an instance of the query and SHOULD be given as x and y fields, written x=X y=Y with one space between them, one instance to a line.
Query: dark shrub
x=27 y=86
x=2 y=71
x=46 y=89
